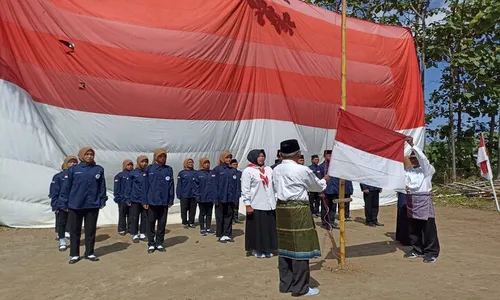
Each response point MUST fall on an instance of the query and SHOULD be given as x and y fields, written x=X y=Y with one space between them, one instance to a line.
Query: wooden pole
x=343 y=89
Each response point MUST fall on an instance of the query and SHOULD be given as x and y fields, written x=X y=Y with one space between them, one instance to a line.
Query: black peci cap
x=289 y=146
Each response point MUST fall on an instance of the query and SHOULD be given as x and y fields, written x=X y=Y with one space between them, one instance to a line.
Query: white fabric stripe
x=37 y=137
x=359 y=166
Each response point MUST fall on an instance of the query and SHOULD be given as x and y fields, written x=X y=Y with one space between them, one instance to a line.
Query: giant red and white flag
x=483 y=162
x=367 y=153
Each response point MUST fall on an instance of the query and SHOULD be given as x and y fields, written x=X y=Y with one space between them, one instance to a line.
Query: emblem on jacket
x=167 y=178
x=97 y=176
x=234 y=176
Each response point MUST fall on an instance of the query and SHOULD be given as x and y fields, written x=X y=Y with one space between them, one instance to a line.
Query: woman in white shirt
x=258 y=195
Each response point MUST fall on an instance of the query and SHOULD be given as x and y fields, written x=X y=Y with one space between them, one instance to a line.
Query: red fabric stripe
x=484 y=167
x=193 y=45
x=481 y=142
x=91 y=60
x=369 y=137
x=129 y=99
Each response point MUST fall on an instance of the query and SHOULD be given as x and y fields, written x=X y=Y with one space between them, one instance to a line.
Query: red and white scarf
x=263 y=176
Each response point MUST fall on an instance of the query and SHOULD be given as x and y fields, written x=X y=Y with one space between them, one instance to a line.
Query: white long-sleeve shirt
x=419 y=180
x=292 y=181
x=254 y=192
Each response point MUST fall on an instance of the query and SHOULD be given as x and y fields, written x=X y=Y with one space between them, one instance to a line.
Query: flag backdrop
x=196 y=77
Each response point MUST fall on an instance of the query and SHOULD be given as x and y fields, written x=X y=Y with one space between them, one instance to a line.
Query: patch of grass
x=466 y=202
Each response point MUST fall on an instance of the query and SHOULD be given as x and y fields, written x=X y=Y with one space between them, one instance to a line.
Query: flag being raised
x=368 y=153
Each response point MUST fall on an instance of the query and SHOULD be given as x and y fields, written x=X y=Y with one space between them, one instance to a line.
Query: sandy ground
x=197 y=267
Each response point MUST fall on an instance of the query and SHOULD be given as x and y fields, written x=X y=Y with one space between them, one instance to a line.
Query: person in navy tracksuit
x=159 y=198
x=205 y=193
x=83 y=193
x=225 y=182
x=371 y=196
x=348 y=190
x=315 y=198
x=136 y=195
x=237 y=195
x=328 y=196
x=185 y=192
x=121 y=182
x=62 y=225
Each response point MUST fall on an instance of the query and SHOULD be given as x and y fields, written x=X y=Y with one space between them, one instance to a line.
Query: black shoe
x=63 y=248
x=412 y=255
x=370 y=224
x=378 y=224
x=186 y=226
x=210 y=232
x=135 y=239
x=230 y=240
x=348 y=219
x=237 y=221
x=335 y=226
x=222 y=241
x=192 y=226
x=203 y=232
x=74 y=260
x=151 y=249
x=122 y=233
x=161 y=249
x=430 y=259
x=92 y=258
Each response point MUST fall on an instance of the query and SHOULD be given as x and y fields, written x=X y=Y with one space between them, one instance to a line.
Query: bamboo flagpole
x=343 y=89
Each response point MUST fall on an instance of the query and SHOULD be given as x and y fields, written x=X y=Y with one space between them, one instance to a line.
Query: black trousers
x=371 y=206
x=424 y=237
x=188 y=205
x=76 y=217
x=62 y=223
x=314 y=202
x=124 y=218
x=205 y=217
x=294 y=276
x=403 y=226
x=138 y=213
x=157 y=214
x=237 y=209
x=224 y=213
x=331 y=207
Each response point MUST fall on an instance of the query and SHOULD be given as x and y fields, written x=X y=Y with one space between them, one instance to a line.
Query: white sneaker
x=142 y=236
x=66 y=235
x=312 y=292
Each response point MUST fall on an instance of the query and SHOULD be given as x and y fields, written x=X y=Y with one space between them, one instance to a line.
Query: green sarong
x=297 y=237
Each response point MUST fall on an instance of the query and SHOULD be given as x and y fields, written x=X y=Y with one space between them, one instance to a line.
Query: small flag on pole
x=483 y=162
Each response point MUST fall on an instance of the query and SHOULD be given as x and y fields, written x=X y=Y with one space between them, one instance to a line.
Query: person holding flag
x=420 y=210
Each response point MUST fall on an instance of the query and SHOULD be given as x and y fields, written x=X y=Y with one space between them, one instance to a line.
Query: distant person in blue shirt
x=62 y=225
x=225 y=183
x=236 y=217
x=315 y=198
x=185 y=193
x=205 y=193
x=371 y=196
x=83 y=193
x=121 y=183
x=136 y=193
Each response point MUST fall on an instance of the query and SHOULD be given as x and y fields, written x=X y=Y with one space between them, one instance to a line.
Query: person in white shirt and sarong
x=420 y=210
x=297 y=238
x=258 y=195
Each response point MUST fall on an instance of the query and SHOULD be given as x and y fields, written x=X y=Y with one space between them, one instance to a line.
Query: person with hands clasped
x=205 y=194
x=160 y=197
x=226 y=186
x=257 y=193
x=135 y=196
x=83 y=193
x=121 y=182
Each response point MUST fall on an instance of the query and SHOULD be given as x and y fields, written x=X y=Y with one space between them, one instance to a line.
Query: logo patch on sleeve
x=97 y=176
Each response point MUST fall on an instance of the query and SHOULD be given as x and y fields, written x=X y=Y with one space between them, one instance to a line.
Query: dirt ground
x=197 y=267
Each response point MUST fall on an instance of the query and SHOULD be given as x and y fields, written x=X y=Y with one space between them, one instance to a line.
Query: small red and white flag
x=367 y=153
x=483 y=162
